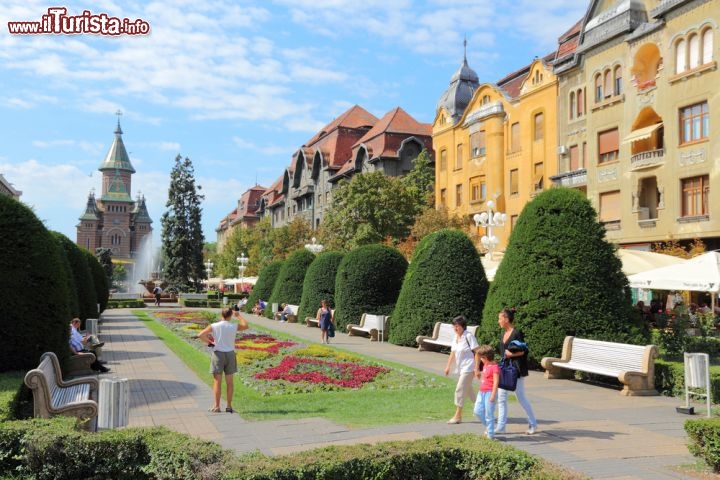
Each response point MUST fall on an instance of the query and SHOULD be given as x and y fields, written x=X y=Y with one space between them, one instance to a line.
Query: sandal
x=214 y=409
x=229 y=410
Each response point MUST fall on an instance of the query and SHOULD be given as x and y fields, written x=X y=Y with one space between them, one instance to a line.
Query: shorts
x=223 y=362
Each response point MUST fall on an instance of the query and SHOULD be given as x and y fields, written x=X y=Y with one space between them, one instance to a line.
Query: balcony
x=494 y=108
x=647 y=159
x=303 y=191
x=576 y=178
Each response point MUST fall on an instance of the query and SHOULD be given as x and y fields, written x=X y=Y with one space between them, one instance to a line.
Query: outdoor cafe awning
x=641 y=133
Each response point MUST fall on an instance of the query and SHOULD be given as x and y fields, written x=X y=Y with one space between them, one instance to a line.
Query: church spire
x=117 y=157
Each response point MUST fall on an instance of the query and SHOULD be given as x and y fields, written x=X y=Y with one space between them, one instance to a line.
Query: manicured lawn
x=403 y=395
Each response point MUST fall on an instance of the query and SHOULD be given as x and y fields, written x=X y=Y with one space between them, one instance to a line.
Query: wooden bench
x=373 y=326
x=313 y=322
x=442 y=337
x=632 y=365
x=292 y=317
x=53 y=396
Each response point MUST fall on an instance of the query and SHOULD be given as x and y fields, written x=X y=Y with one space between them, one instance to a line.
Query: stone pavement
x=588 y=428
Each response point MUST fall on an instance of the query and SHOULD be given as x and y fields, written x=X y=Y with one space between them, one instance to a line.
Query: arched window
x=607 y=83
x=485 y=99
x=617 y=75
x=694 y=51
x=707 y=47
x=581 y=102
x=680 y=52
x=573 y=105
x=598 y=88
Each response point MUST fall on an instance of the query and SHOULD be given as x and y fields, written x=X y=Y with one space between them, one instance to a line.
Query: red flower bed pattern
x=317 y=371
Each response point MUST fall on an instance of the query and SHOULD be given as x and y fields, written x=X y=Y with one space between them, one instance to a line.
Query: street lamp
x=489 y=219
x=314 y=247
x=209 y=266
x=242 y=261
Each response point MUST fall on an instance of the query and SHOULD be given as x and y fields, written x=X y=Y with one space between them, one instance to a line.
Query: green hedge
x=445 y=279
x=126 y=304
x=704 y=435
x=319 y=284
x=264 y=286
x=202 y=303
x=670 y=379
x=289 y=283
x=368 y=280
x=51 y=449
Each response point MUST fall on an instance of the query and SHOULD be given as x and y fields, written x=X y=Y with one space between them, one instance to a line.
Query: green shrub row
x=704 y=436
x=51 y=449
x=202 y=303
x=126 y=304
x=670 y=379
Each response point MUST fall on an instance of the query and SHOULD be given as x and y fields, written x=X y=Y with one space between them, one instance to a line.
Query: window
x=583 y=159
x=443 y=197
x=538 y=176
x=680 y=63
x=694 y=123
x=607 y=84
x=694 y=45
x=477 y=189
x=608 y=146
x=581 y=102
x=695 y=194
x=515 y=137
x=477 y=144
x=707 y=46
x=617 y=77
x=443 y=160
x=514 y=181
x=610 y=206
x=458 y=195
x=573 y=105
x=598 y=88
x=539 y=127
x=574 y=158
x=485 y=99
x=459 y=157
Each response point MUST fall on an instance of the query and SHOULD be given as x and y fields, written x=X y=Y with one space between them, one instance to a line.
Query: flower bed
x=276 y=366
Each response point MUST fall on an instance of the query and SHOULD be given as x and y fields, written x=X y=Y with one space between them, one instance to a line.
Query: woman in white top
x=223 y=359
x=463 y=349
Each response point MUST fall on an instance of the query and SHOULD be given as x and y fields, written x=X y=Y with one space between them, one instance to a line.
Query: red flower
x=317 y=371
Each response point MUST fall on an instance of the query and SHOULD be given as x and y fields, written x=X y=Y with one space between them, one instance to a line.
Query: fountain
x=145 y=271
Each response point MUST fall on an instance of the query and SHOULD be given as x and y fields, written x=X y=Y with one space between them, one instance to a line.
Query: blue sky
x=235 y=86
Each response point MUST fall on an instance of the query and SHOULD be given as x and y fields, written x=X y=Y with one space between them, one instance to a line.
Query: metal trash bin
x=113 y=403
x=91 y=326
x=275 y=308
x=225 y=300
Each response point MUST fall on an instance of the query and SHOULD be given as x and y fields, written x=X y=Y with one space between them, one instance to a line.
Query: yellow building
x=645 y=134
x=495 y=142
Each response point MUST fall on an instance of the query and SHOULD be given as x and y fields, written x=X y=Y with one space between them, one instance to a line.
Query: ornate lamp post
x=314 y=247
x=489 y=219
x=242 y=265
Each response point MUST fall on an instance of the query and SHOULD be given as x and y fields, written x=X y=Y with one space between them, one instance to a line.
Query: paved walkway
x=591 y=429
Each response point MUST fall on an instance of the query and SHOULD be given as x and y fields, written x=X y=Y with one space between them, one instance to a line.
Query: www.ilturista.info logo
x=57 y=21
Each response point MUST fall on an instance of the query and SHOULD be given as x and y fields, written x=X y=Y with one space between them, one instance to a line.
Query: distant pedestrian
x=223 y=359
x=158 y=294
x=462 y=350
x=325 y=321
x=506 y=317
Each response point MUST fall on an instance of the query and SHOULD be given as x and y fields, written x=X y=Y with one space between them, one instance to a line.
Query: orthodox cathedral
x=115 y=220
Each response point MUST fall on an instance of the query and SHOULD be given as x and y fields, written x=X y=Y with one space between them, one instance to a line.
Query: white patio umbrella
x=638 y=261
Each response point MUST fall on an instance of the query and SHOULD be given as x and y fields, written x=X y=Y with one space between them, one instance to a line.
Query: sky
x=236 y=86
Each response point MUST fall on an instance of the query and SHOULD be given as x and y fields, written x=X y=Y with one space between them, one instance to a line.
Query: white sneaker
x=531 y=430
x=500 y=431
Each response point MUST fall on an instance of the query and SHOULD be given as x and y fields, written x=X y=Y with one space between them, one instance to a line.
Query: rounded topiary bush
x=319 y=283
x=445 y=279
x=33 y=294
x=87 y=300
x=289 y=284
x=102 y=290
x=264 y=285
x=562 y=277
x=368 y=280
x=67 y=275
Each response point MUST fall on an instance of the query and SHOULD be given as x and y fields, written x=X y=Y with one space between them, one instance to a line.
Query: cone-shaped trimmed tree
x=87 y=300
x=33 y=295
x=264 y=285
x=289 y=284
x=562 y=277
x=319 y=283
x=445 y=279
x=102 y=291
x=368 y=280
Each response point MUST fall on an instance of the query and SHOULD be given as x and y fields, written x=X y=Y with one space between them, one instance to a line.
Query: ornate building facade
x=638 y=85
x=115 y=220
x=495 y=141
